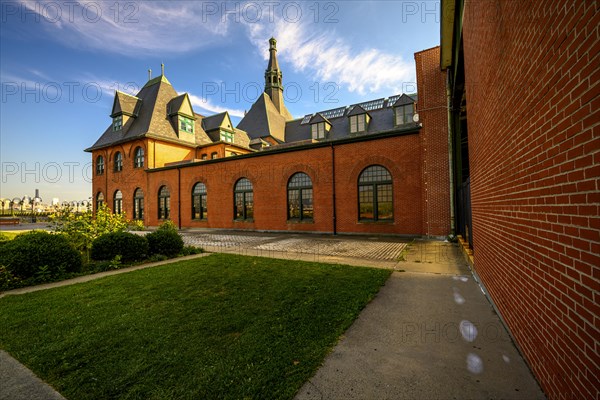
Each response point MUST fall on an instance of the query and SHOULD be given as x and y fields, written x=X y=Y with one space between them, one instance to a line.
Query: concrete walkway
x=429 y=334
x=19 y=383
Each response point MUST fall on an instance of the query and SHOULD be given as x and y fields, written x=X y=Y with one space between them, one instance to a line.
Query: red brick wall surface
x=433 y=114
x=269 y=174
x=532 y=72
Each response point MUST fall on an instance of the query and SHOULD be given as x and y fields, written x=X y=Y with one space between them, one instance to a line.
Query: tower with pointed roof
x=273 y=75
x=268 y=114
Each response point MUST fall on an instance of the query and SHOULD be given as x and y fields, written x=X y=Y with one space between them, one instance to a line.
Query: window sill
x=377 y=222
x=243 y=220
x=300 y=221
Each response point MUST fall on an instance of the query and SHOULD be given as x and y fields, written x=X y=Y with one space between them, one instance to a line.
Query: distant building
x=364 y=168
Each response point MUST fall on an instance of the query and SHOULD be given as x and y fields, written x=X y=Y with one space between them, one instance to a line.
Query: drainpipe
x=450 y=158
x=179 y=197
x=105 y=178
x=333 y=187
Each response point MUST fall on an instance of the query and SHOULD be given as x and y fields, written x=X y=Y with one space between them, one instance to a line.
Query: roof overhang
x=447 y=33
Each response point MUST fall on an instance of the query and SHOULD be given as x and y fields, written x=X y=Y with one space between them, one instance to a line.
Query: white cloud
x=330 y=58
x=207 y=105
x=130 y=28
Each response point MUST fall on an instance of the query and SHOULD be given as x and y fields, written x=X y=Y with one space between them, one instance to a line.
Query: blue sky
x=61 y=61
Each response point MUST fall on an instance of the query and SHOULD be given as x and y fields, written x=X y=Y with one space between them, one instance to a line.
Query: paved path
x=430 y=332
x=425 y=336
x=19 y=383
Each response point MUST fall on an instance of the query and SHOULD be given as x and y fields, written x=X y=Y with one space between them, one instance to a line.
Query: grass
x=11 y=234
x=222 y=326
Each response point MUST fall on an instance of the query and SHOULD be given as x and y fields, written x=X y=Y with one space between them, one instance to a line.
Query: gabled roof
x=263 y=119
x=152 y=120
x=214 y=121
x=357 y=110
x=403 y=100
x=176 y=105
x=125 y=104
x=318 y=117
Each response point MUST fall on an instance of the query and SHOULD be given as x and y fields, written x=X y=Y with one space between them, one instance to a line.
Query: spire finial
x=149 y=74
x=162 y=68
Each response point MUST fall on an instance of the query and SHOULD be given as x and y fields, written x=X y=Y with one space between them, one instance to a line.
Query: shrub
x=136 y=225
x=168 y=225
x=166 y=241
x=31 y=252
x=7 y=280
x=3 y=238
x=189 y=250
x=128 y=246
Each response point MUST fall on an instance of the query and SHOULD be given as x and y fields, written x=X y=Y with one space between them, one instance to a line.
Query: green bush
x=128 y=246
x=189 y=250
x=3 y=238
x=7 y=280
x=166 y=241
x=31 y=252
x=136 y=225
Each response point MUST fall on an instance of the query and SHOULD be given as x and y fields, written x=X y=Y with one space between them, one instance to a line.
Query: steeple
x=273 y=86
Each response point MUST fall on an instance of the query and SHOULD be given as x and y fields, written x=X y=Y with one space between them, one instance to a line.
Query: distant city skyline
x=62 y=61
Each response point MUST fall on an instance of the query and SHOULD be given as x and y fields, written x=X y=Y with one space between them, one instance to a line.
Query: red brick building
x=366 y=168
x=523 y=82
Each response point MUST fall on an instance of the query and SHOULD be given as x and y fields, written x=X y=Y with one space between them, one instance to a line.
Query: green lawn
x=11 y=234
x=222 y=326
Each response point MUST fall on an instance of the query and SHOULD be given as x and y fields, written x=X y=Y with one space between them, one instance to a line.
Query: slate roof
x=263 y=120
x=213 y=121
x=152 y=120
x=403 y=100
x=357 y=110
x=125 y=104
x=212 y=124
x=175 y=104
x=382 y=120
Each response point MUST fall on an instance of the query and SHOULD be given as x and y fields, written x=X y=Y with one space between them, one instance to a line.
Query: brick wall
x=270 y=173
x=532 y=72
x=418 y=163
x=433 y=114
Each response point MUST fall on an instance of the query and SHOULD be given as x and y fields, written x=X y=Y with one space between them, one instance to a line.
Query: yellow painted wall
x=161 y=153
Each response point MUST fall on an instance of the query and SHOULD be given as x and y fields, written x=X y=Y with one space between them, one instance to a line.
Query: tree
x=82 y=228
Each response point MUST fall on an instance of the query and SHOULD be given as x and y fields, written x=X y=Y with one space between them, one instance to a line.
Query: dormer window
x=186 y=124
x=404 y=114
x=358 y=123
x=227 y=136
x=318 y=130
x=117 y=123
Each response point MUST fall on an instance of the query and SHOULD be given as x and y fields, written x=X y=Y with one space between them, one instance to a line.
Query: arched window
x=164 y=203
x=243 y=206
x=118 y=161
x=138 y=204
x=199 y=210
x=99 y=165
x=99 y=200
x=138 y=159
x=300 y=197
x=375 y=200
x=214 y=155
x=118 y=202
